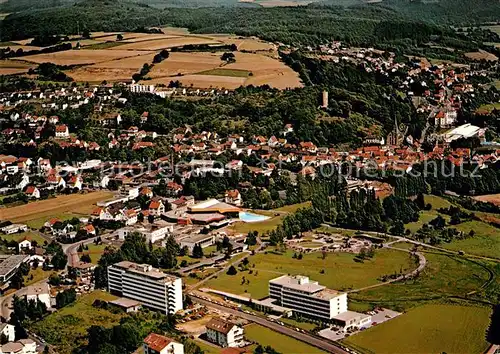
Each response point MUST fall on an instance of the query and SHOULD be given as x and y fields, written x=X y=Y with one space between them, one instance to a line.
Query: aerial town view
x=249 y=176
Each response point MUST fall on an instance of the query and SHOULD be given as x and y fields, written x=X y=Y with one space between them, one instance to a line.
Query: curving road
x=422 y=262
x=303 y=337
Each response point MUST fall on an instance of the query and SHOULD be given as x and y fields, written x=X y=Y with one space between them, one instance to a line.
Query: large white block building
x=150 y=286
x=307 y=297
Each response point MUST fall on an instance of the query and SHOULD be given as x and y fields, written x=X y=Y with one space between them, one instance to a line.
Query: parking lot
x=378 y=317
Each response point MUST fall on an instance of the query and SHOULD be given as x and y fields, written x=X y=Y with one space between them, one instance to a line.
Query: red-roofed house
x=158 y=344
x=156 y=208
x=234 y=197
x=62 y=131
x=90 y=229
x=32 y=192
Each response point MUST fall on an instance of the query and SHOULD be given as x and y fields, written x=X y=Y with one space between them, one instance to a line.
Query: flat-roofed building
x=9 y=264
x=204 y=240
x=152 y=287
x=307 y=297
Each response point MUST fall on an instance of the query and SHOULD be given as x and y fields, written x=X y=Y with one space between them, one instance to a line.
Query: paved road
x=71 y=249
x=303 y=337
x=6 y=300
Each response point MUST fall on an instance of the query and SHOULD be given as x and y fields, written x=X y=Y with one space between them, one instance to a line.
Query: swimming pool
x=251 y=217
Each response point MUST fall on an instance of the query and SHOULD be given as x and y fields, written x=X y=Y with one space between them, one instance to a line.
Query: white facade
x=8 y=331
x=307 y=297
x=150 y=286
x=137 y=88
x=38 y=293
x=158 y=344
x=224 y=334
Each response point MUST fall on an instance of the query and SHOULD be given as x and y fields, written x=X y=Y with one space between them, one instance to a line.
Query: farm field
x=82 y=57
x=67 y=327
x=481 y=54
x=74 y=203
x=428 y=329
x=186 y=63
x=280 y=342
x=492 y=198
x=265 y=267
x=10 y=67
x=443 y=276
x=103 y=58
x=167 y=43
x=114 y=70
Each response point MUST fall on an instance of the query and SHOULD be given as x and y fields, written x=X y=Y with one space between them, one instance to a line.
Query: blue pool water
x=251 y=217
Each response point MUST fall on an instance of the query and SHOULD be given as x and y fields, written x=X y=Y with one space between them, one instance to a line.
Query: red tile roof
x=157 y=342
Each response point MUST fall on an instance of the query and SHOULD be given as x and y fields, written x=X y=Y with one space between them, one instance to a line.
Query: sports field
x=73 y=203
x=337 y=271
x=428 y=329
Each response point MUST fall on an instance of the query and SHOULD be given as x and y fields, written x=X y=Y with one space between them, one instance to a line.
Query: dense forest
x=357 y=25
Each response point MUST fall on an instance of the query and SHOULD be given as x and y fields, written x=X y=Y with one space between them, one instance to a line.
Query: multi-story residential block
x=224 y=333
x=152 y=287
x=307 y=297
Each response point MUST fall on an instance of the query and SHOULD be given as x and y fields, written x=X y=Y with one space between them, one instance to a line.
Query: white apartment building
x=307 y=297
x=148 y=285
x=224 y=333
x=138 y=88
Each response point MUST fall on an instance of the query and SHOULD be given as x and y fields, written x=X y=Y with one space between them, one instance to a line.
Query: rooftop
x=298 y=282
x=124 y=302
x=220 y=325
x=145 y=270
x=157 y=342
x=350 y=315
x=9 y=262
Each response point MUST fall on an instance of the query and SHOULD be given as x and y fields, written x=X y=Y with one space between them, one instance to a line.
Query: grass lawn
x=442 y=277
x=307 y=326
x=207 y=348
x=226 y=72
x=270 y=224
x=485 y=242
x=280 y=342
x=428 y=329
x=38 y=274
x=66 y=328
x=490 y=107
x=38 y=223
x=428 y=215
x=18 y=237
x=105 y=45
x=341 y=272
x=95 y=252
x=311 y=244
